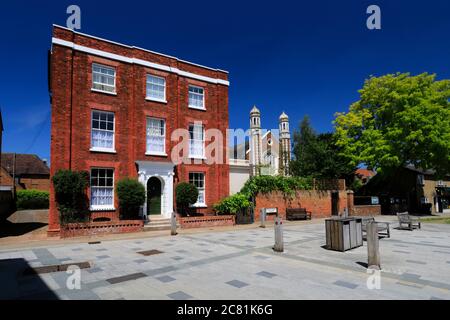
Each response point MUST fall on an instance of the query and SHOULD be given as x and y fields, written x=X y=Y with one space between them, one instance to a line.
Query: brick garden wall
x=317 y=201
x=97 y=228
x=370 y=210
x=206 y=221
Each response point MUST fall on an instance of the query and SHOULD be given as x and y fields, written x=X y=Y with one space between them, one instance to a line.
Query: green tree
x=317 y=155
x=70 y=192
x=399 y=120
x=131 y=196
x=186 y=195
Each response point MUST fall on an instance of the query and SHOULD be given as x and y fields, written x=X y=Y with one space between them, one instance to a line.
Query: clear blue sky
x=303 y=57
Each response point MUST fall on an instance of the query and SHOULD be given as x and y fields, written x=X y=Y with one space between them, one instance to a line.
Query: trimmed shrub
x=131 y=196
x=70 y=192
x=32 y=199
x=186 y=195
x=233 y=204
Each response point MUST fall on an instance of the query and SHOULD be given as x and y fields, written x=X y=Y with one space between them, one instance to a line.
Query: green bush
x=186 y=195
x=131 y=196
x=266 y=184
x=70 y=191
x=32 y=199
x=233 y=204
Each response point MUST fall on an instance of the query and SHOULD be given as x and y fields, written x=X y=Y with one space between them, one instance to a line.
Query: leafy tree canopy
x=399 y=120
x=317 y=155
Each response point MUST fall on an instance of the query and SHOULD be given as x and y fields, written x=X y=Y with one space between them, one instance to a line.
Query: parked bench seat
x=298 y=214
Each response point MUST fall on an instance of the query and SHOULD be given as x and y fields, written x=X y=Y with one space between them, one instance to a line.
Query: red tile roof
x=25 y=164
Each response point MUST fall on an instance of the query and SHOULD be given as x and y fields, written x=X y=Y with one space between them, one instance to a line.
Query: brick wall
x=73 y=102
x=36 y=183
x=317 y=201
x=370 y=210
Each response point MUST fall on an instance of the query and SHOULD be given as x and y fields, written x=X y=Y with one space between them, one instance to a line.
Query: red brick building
x=114 y=109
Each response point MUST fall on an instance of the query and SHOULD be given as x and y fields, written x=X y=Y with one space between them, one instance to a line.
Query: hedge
x=32 y=199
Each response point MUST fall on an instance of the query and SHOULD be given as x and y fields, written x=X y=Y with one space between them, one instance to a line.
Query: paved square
x=222 y=265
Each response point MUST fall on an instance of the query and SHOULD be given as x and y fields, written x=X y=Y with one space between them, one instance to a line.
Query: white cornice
x=133 y=47
x=141 y=62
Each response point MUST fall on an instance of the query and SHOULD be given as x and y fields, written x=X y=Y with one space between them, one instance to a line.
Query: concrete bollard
x=279 y=246
x=373 y=247
x=262 y=216
x=173 y=225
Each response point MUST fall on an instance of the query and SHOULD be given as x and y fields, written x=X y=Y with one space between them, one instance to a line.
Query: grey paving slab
x=416 y=261
x=237 y=283
x=166 y=279
x=345 y=284
x=266 y=274
x=179 y=295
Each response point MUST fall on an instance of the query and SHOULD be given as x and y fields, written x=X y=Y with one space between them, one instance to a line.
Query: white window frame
x=102 y=207
x=100 y=149
x=114 y=91
x=151 y=152
x=150 y=98
x=203 y=96
x=203 y=190
x=195 y=156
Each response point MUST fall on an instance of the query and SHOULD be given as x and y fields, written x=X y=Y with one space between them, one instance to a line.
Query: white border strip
x=141 y=62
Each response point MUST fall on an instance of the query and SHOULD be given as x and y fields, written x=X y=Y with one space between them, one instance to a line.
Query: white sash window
x=198 y=180
x=156 y=136
x=156 y=88
x=102 y=189
x=196 y=141
x=196 y=97
x=102 y=131
x=103 y=78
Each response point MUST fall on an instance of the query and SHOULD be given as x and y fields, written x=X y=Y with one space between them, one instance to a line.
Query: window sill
x=155 y=100
x=105 y=92
x=197 y=108
x=197 y=157
x=200 y=205
x=103 y=150
x=102 y=209
x=158 y=154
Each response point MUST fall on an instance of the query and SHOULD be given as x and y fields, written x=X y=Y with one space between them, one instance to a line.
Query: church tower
x=285 y=145
x=255 y=141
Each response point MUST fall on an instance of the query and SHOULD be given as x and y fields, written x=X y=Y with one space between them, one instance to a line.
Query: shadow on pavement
x=9 y=229
x=16 y=286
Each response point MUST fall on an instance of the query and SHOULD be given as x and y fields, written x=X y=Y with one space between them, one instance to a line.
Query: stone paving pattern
x=236 y=264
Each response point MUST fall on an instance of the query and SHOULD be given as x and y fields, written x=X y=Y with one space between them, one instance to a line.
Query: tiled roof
x=25 y=164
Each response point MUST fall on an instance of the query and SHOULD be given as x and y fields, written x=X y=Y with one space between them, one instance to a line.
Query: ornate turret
x=255 y=140
x=285 y=144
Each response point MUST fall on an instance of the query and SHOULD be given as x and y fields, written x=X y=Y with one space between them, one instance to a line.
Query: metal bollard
x=262 y=215
x=279 y=246
x=173 y=226
x=373 y=247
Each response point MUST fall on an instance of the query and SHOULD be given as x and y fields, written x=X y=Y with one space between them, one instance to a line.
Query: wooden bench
x=382 y=227
x=411 y=222
x=298 y=214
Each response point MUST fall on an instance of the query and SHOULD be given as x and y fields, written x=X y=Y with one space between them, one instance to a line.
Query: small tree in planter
x=131 y=195
x=186 y=195
x=237 y=204
x=70 y=192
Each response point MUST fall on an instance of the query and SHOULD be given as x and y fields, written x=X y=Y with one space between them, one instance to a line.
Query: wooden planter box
x=343 y=234
x=245 y=217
